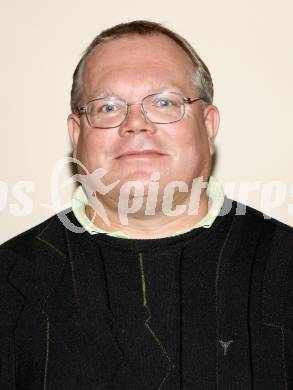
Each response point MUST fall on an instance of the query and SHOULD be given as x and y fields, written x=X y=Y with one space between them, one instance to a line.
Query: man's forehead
x=128 y=89
x=155 y=60
x=128 y=49
x=149 y=90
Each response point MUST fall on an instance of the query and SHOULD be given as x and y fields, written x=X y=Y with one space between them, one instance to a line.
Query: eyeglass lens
x=158 y=108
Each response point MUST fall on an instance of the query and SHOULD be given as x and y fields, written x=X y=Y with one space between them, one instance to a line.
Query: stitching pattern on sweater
x=49 y=243
x=145 y=305
x=218 y=270
x=283 y=358
x=47 y=352
x=225 y=345
x=283 y=350
x=74 y=283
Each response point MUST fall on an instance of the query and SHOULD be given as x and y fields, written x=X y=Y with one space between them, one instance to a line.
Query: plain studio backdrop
x=246 y=45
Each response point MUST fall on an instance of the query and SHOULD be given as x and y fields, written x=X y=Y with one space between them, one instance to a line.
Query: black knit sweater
x=162 y=295
x=208 y=309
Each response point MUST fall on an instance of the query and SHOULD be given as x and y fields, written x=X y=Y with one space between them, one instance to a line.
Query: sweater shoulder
x=22 y=247
x=264 y=219
x=23 y=241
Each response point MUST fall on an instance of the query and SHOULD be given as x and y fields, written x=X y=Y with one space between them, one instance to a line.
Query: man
x=167 y=287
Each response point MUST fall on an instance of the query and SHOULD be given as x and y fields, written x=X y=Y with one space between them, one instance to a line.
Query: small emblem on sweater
x=225 y=345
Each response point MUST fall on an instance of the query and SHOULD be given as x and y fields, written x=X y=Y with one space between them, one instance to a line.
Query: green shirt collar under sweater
x=214 y=191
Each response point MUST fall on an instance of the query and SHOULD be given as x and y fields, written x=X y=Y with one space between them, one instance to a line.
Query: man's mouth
x=148 y=153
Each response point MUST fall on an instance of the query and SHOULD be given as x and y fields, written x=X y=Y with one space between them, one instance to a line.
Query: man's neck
x=140 y=226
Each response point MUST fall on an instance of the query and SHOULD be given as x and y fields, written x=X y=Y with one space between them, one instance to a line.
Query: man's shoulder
x=247 y=212
x=46 y=239
x=31 y=261
x=29 y=265
x=23 y=242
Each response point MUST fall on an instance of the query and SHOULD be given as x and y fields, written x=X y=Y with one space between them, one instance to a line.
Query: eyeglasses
x=160 y=108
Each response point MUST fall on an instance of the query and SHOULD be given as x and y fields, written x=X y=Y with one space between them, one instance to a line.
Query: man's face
x=131 y=68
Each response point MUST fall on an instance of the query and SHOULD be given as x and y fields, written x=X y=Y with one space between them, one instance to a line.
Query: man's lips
x=140 y=154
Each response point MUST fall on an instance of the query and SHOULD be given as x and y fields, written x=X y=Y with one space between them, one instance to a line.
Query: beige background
x=246 y=44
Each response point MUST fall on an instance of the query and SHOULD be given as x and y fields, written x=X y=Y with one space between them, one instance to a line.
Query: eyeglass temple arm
x=189 y=100
x=81 y=110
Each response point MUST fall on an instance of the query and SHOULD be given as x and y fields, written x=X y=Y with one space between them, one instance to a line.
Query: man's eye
x=164 y=103
x=106 y=108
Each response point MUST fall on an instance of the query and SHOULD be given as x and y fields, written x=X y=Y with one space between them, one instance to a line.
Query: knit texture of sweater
x=210 y=309
x=162 y=295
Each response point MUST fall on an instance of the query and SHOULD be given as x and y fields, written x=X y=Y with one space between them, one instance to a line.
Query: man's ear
x=73 y=125
x=212 y=121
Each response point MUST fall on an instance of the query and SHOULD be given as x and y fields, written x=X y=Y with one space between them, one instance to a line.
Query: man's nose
x=136 y=121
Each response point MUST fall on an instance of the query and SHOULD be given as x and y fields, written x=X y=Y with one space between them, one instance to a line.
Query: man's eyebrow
x=102 y=93
x=165 y=88
x=149 y=91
